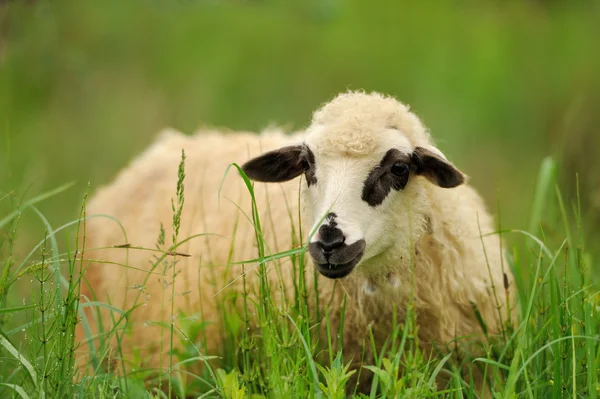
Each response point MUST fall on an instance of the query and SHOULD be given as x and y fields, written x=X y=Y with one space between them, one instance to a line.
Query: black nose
x=330 y=238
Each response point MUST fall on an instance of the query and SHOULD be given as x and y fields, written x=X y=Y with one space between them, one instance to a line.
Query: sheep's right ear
x=277 y=166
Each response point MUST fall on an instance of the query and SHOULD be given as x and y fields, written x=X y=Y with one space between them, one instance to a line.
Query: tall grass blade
x=34 y=201
x=6 y=344
x=17 y=388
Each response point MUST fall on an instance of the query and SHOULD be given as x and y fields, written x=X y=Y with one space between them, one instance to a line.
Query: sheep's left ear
x=436 y=168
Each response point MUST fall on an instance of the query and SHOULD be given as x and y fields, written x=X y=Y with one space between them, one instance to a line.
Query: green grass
x=553 y=352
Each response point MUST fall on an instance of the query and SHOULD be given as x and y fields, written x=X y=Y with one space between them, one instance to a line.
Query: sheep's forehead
x=373 y=142
x=359 y=124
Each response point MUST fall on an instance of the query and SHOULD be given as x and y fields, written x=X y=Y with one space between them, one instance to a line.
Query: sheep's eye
x=400 y=169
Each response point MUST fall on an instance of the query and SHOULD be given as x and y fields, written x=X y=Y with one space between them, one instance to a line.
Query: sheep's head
x=361 y=158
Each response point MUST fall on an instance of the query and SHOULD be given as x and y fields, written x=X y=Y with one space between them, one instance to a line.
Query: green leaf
x=4 y=342
x=33 y=201
x=17 y=388
x=12 y=310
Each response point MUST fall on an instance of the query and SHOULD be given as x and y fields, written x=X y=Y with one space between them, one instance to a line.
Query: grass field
x=509 y=91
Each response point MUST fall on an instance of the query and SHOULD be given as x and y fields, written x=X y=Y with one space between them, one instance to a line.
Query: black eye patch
x=392 y=172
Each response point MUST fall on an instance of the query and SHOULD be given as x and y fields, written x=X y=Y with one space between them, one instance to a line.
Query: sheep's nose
x=331 y=238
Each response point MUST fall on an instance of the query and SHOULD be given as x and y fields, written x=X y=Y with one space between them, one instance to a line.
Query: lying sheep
x=391 y=216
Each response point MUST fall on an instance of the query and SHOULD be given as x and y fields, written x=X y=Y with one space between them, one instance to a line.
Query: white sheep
x=391 y=214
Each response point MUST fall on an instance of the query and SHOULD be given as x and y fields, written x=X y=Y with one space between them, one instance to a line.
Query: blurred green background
x=85 y=85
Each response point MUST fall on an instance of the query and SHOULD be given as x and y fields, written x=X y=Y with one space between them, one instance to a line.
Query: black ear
x=277 y=166
x=436 y=168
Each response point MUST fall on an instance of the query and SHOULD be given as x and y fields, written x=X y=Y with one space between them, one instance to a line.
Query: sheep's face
x=357 y=201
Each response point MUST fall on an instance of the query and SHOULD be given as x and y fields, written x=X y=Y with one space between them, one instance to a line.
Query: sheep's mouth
x=334 y=271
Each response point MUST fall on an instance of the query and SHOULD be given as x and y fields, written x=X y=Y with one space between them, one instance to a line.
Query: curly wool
x=353 y=118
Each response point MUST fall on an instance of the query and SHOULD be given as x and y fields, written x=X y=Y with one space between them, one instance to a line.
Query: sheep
x=392 y=220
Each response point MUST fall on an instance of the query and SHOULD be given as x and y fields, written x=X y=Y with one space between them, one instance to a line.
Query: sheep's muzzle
x=337 y=261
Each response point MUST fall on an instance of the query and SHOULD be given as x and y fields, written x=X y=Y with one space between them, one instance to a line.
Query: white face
x=339 y=190
x=360 y=195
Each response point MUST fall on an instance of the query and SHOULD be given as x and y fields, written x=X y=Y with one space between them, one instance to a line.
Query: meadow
x=510 y=91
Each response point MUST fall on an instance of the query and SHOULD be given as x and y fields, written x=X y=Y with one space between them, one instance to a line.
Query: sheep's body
x=452 y=272
x=140 y=199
